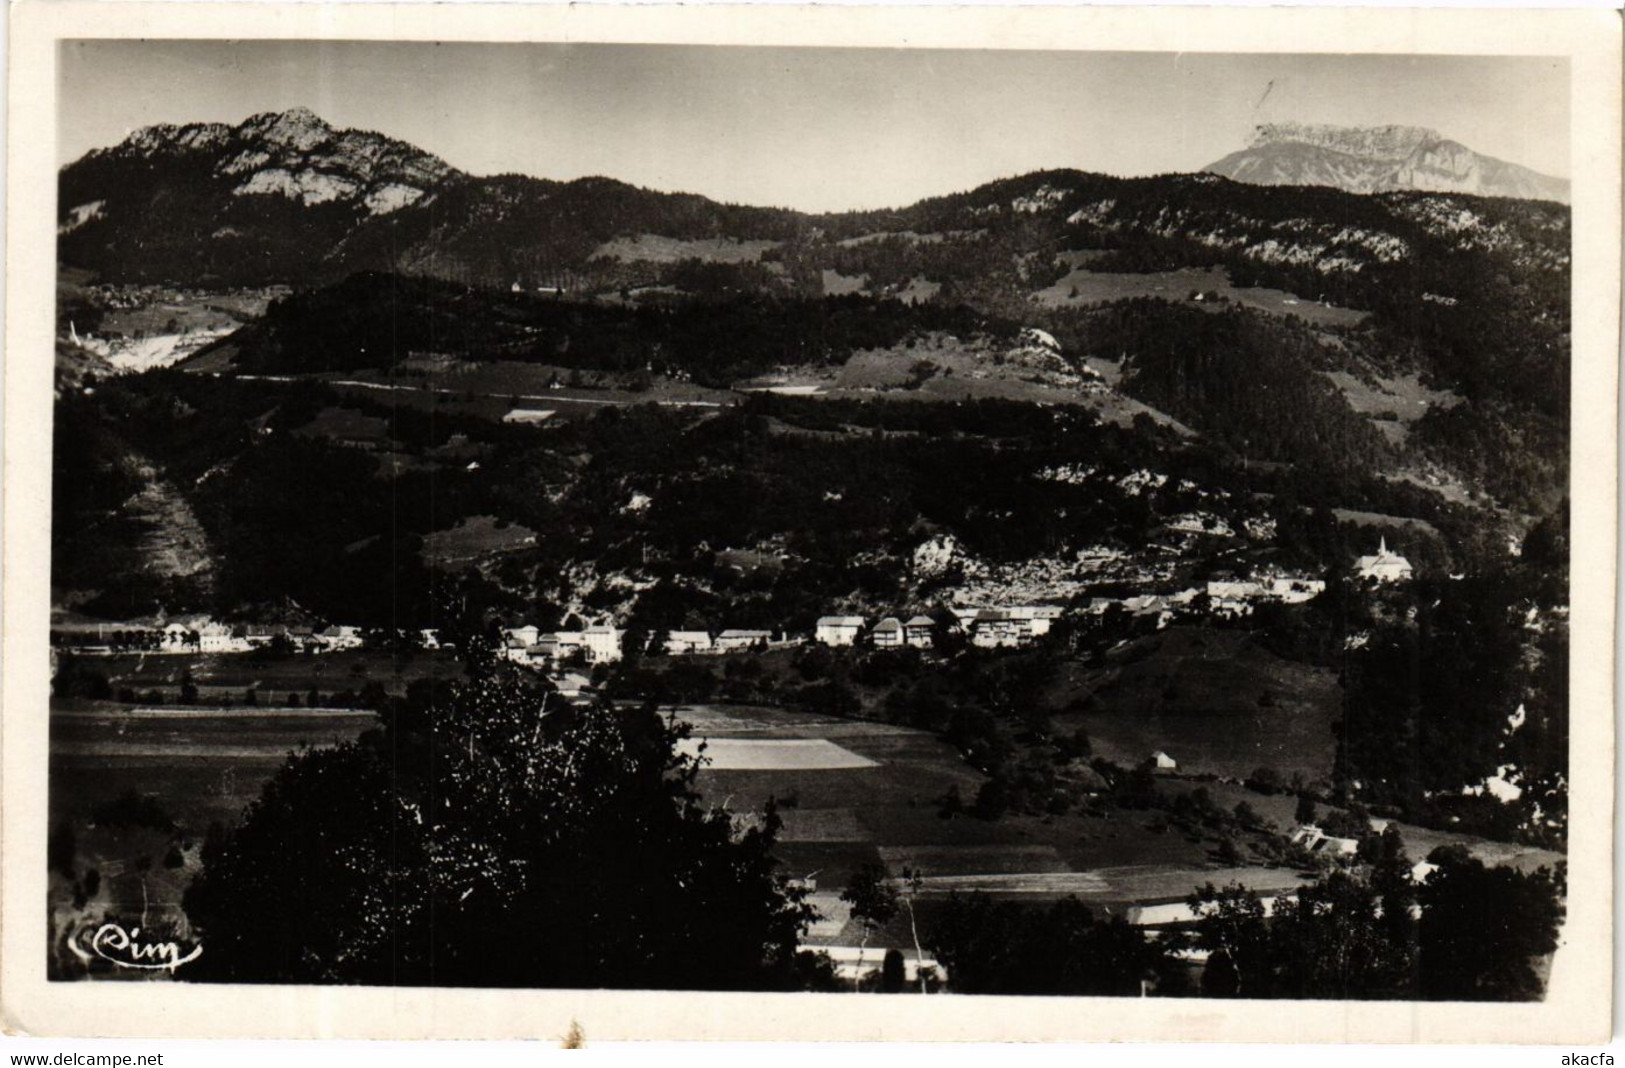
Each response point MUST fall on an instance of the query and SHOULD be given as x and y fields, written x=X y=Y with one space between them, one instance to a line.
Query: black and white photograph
x=874 y=522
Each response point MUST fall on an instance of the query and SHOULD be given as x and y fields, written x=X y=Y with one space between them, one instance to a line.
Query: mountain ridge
x=1378 y=159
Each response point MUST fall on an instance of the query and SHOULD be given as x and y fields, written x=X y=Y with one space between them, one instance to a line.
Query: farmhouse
x=684 y=642
x=1385 y=566
x=1163 y=761
x=602 y=642
x=1316 y=840
x=733 y=641
x=838 y=630
x=888 y=634
x=920 y=632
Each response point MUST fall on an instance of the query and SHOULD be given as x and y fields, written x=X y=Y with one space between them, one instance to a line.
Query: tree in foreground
x=1482 y=929
x=993 y=947
x=1235 y=933
x=1466 y=933
x=488 y=834
x=873 y=900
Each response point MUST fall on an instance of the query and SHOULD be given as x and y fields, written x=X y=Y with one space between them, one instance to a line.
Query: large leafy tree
x=1483 y=929
x=1331 y=943
x=490 y=834
x=1465 y=933
x=993 y=947
x=1233 y=929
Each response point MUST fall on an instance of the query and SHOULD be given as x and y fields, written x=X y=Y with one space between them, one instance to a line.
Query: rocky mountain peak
x=167 y=137
x=1379 y=159
x=1368 y=142
x=298 y=128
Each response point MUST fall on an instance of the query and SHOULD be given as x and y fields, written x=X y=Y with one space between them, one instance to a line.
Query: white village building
x=602 y=642
x=888 y=634
x=735 y=640
x=920 y=632
x=838 y=630
x=1316 y=840
x=216 y=638
x=684 y=642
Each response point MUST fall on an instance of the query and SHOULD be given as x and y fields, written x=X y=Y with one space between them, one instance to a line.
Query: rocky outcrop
x=1380 y=159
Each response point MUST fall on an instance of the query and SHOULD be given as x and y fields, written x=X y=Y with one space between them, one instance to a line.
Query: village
x=602 y=642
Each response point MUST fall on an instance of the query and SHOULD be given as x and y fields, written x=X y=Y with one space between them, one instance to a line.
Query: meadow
x=1081 y=286
x=838 y=819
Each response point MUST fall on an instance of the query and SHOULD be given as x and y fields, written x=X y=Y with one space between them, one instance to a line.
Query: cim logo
x=125 y=949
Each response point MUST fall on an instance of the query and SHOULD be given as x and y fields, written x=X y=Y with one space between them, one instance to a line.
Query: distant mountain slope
x=1380 y=159
x=288 y=198
x=210 y=203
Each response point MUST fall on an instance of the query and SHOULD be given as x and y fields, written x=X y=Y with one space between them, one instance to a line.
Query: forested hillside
x=566 y=402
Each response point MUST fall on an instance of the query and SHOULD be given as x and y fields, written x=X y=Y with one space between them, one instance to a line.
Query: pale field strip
x=184 y=750
x=389 y=387
x=1049 y=883
x=774 y=754
x=1130 y=883
x=722 y=723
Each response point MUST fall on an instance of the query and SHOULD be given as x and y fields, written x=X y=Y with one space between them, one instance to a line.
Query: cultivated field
x=837 y=819
x=1082 y=286
x=202 y=764
x=777 y=754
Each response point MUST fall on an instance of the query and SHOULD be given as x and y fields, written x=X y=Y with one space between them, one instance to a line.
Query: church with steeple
x=1385 y=566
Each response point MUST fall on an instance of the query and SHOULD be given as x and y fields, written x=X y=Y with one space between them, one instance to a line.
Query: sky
x=816 y=129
